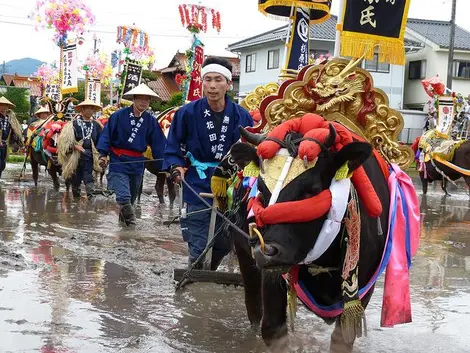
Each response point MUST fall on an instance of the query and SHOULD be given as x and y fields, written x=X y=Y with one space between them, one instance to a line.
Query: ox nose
x=266 y=256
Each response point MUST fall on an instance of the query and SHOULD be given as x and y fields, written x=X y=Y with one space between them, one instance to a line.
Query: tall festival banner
x=195 y=85
x=52 y=91
x=373 y=26
x=300 y=14
x=69 y=69
x=93 y=90
x=132 y=78
x=445 y=115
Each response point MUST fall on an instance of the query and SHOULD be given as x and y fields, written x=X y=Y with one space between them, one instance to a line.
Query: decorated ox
x=443 y=167
x=321 y=209
x=43 y=141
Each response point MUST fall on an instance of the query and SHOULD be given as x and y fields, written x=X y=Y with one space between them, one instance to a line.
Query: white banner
x=69 y=69
x=445 y=115
x=53 y=92
x=93 y=90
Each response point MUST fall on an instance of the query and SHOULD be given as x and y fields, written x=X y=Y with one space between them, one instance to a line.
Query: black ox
x=288 y=244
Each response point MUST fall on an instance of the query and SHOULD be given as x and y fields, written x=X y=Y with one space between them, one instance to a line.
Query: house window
x=315 y=53
x=417 y=70
x=461 y=69
x=375 y=66
x=250 y=63
x=273 y=59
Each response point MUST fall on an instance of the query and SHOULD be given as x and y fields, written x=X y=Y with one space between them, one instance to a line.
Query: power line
x=114 y=32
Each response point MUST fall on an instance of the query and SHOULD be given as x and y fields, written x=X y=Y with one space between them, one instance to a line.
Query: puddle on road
x=71 y=280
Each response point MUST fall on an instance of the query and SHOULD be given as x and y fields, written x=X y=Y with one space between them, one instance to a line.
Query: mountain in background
x=24 y=67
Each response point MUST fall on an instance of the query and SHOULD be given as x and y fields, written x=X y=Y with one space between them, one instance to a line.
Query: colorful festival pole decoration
x=65 y=17
x=49 y=78
x=372 y=26
x=300 y=14
x=97 y=70
x=194 y=18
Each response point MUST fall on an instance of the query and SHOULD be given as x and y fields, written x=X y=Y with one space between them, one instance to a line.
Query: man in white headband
x=207 y=127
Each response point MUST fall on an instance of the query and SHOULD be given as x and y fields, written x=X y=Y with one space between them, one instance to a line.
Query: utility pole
x=450 y=61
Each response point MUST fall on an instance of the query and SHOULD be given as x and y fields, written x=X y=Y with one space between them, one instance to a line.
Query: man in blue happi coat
x=125 y=138
x=201 y=134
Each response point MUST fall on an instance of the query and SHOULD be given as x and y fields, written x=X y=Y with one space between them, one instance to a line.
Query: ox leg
x=160 y=186
x=171 y=190
x=338 y=344
x=55 y=178
x=68 y=183
x=424 y=182
x=444 y=187
x=35 y=168
x=251 y=276
x=273 y=324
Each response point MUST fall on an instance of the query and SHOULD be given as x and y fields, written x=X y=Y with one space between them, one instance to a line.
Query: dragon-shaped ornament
x=339 y=90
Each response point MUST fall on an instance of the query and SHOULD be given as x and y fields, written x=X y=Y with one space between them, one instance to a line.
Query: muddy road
x=73 y=280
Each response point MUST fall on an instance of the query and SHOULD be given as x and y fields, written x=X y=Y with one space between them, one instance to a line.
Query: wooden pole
x=61 y=78
x=338 y=32
x=450 y=59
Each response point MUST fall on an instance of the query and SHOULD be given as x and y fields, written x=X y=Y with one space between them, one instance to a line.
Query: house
x=433 y=59
x=31 y=83
x=262 y=57
x=166 y=84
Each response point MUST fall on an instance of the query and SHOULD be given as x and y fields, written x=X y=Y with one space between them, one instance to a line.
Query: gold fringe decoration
x=219 y=186
x=148 y=153
x=351 y=320
x=390 y=50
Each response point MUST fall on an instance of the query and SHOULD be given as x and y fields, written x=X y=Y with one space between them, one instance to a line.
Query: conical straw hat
x=42 y=110
x=141 y=90
x=87 y=103
x=3 y=100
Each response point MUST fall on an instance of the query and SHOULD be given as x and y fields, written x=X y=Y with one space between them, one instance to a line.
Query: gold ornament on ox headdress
x=340 y=90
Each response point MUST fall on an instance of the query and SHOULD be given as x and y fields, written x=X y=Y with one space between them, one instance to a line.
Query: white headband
x=217 y=69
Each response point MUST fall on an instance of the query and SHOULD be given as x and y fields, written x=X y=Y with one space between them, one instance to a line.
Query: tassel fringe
x=219 y=186
x=390 y=50
x=351 y=320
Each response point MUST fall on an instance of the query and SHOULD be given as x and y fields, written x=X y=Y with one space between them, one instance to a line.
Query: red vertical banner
x=195 y=85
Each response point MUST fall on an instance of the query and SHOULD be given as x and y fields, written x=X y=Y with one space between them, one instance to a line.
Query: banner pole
x=61 y=76
x=338 y=26
x=289 y=30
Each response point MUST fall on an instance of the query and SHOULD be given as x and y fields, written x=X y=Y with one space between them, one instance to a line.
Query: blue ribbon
x=200 y=166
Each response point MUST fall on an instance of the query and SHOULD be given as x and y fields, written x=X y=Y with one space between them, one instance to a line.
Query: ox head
x=291 y=234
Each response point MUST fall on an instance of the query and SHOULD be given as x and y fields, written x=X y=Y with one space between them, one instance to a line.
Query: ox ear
x=355 y=153
x=243 y=153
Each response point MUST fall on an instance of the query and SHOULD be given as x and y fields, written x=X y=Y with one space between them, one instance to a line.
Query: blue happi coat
x=124 y=131
x=204 y=139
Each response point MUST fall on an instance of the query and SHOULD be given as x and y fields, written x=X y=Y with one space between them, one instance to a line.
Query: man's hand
x=79 y=148
x=177 y=174
x=103 y=162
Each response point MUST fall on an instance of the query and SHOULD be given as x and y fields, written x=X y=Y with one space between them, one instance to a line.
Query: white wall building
x=432 y=60
x=262 y=57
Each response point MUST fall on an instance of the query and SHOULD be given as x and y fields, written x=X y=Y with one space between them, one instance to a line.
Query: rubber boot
x=90 y=190
x=127 y=215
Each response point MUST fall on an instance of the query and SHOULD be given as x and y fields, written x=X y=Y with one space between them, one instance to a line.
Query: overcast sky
x=160 y=18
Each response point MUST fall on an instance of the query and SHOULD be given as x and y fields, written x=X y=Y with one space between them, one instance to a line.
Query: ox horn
x=250 y=137
x=331 y=138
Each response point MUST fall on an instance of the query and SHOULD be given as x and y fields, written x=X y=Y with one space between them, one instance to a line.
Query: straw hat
x=42 y=110
x=87 y=103
x=141 y=90
x=5 y=101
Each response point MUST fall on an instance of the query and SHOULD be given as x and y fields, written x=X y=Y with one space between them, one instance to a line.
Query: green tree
x=20 y=98
x=175 y=100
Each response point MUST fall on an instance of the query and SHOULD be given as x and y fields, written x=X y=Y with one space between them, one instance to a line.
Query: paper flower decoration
x=98 y=67
x=47 y=74
x=64 y=16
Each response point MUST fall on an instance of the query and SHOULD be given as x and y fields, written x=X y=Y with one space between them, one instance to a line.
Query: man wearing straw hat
x=208 y=128
x=125 y=138
x=76 y=148
x=10 y=129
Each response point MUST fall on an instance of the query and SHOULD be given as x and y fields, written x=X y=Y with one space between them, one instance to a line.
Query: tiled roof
x=164 y=87
x=323 y=31
x=24 y=82
x=438 y=32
